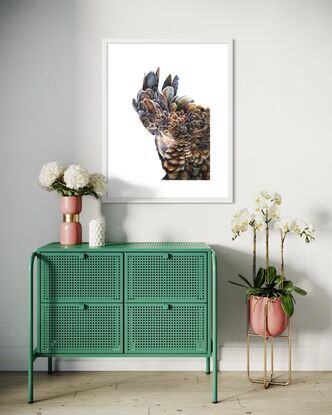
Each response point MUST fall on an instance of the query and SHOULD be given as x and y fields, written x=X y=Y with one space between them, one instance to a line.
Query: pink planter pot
x=276 y=321
x=71 y=229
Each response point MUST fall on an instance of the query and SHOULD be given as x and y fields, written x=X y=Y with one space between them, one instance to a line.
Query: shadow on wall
x=116 y=213
x=312 y=312
x=322 y=219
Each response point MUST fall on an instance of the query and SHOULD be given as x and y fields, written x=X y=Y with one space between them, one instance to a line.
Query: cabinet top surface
x=128 y=246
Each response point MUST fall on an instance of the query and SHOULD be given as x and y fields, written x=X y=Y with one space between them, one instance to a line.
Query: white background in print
x=203 y=70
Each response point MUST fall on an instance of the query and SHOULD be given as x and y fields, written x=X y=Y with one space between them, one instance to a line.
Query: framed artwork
x=168 y=121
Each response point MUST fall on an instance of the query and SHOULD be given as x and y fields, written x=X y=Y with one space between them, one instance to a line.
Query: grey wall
x=50 y=97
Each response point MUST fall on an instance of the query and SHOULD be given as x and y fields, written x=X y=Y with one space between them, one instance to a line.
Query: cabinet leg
x=215 y=378
x=214 y=330
x=207 y=367
x=30 y=380
x=31 y=356
x=49 y=370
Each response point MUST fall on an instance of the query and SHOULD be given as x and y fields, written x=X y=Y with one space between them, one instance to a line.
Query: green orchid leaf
x=292 y=298
x=299 y=291
x=260 y=277
x=272 y=275
x=288 y=285
x=245 y=280
x=236 y=283
x=277 y=279
x=272 y=271
x=287 y=305
x=253 y=291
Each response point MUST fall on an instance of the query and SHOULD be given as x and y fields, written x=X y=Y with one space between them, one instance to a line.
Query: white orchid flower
x=303 y=229
x=257 y=221
x=284 y=225
x=240 y=222
x=265 y=200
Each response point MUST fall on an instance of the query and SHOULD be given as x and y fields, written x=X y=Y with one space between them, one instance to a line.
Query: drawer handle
x=83 y=255
x=83 y=306
x=166 y=306
x=168 y=256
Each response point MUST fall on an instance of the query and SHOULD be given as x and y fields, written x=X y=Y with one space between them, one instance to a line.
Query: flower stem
x=254 y=254
x=282 y=271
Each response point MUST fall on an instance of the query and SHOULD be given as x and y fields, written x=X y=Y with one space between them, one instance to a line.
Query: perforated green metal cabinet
x=129 y=299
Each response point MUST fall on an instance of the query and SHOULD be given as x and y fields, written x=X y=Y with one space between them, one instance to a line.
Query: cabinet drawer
x=166 y=328
x=81 y=277
x=81 y=328
x=166 y=277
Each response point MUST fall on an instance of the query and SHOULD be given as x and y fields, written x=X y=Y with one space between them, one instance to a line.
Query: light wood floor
x=155 y=393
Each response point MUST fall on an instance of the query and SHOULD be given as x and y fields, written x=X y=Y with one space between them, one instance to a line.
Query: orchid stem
x=254 y=254
x=267 y=246
x=282 y=271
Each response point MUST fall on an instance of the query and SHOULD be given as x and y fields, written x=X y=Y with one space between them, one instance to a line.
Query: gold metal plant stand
x=268 y=378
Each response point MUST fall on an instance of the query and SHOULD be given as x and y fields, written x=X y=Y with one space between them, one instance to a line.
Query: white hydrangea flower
x=76 y=177
x=48 y=189
x=99 y=183
x=49 y=173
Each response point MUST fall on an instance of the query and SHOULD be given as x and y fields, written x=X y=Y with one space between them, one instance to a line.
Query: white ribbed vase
x=97 y=233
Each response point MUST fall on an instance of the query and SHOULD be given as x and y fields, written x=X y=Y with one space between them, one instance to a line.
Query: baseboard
x=231 y=359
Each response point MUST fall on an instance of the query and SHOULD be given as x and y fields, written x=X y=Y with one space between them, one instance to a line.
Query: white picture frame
x=126 y=186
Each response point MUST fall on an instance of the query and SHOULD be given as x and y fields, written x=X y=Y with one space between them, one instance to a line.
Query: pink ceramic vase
x=71 y=229
x=276 y=321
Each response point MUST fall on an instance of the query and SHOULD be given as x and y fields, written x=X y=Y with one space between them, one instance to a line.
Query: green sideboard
x=124 y=299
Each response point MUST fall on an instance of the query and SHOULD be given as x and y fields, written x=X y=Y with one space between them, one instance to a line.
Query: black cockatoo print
x=181 y=128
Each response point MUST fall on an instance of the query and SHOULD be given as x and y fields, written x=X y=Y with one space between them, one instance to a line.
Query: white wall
x=50 y=83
